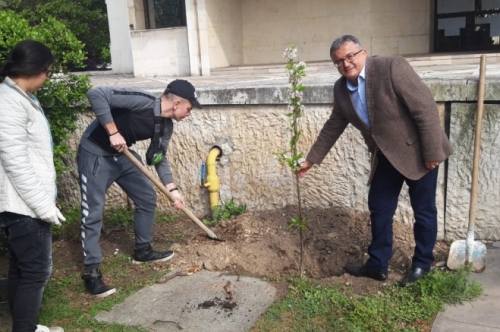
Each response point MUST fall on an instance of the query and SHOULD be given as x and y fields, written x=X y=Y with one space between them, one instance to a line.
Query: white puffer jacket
x=27 y=174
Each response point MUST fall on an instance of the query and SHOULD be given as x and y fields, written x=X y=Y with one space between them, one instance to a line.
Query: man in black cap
x=125 y=116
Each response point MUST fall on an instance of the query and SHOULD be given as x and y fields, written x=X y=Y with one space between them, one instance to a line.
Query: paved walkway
x=482 y=315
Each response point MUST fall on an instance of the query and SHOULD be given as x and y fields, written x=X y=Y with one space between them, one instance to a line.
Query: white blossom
x=297 y=94
x=290 y=53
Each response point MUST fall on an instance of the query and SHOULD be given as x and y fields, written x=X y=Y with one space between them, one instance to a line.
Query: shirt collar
x=353 y=87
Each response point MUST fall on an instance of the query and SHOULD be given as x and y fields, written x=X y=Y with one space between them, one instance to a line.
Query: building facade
x=193 y=37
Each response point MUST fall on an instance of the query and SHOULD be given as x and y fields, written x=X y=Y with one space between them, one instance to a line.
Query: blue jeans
x=29 y=242
x=383 y=201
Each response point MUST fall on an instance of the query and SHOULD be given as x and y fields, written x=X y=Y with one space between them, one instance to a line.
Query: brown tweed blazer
x=404 y=118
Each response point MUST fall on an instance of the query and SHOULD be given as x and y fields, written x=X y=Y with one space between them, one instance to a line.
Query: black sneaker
x=95 y=286
x=148 y=255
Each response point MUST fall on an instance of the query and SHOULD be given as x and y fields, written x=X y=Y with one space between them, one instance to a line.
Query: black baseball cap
x=183 y=89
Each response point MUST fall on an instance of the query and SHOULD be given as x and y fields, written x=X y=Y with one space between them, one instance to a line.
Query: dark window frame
x=470 y=26
x=182 y=21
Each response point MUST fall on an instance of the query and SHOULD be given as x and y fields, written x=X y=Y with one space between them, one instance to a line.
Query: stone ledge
x=443 y=91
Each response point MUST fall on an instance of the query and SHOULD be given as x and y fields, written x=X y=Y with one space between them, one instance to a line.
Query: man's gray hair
x=341 y=40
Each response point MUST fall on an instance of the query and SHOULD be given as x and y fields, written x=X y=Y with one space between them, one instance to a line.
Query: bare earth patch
x=262 y=244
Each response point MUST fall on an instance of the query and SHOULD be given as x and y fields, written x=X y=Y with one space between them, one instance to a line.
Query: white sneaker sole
x=43 y=328
x=156 y=261
x=105 y=294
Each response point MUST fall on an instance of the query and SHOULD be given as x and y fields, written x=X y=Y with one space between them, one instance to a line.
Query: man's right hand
x=118 y=142
x=304 y=167
x=179 y=200
x=54 y=216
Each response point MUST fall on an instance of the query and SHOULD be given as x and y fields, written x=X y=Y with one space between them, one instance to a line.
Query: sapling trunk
x=291 y=156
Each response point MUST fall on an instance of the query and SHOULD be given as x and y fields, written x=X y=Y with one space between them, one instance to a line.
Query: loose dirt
x=262 y=244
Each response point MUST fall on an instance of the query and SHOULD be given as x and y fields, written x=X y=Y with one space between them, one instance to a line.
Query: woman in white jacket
x=27 y=182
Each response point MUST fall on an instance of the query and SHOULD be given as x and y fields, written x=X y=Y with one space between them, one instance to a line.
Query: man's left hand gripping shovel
x=160 y=186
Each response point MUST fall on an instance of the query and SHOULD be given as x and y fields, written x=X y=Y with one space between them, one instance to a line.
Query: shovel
x=160 y=186
x=470 y=252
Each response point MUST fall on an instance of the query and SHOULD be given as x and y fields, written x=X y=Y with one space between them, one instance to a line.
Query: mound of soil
x=262 y=244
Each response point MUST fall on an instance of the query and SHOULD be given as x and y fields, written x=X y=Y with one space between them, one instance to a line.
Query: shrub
x=224 y=212
x=86 y=19
x=63 y=97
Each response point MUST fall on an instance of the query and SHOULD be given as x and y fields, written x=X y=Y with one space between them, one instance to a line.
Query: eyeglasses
x=349 y=58
x=49 y=73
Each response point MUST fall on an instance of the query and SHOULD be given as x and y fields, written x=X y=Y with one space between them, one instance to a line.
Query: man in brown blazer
x=397 y=116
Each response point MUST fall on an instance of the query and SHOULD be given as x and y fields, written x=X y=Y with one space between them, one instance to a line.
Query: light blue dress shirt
x=358 y=94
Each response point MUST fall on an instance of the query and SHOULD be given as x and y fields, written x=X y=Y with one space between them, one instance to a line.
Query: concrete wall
x=137 y=16
x=121 y=47
x=384 y=27
x=224 y=32
x=196 y=19
x=160 y=52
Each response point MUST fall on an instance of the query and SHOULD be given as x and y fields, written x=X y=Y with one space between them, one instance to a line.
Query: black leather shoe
x=363 y=271
x=415 y=274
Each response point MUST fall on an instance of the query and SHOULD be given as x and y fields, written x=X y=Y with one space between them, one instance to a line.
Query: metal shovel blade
x=460 y=257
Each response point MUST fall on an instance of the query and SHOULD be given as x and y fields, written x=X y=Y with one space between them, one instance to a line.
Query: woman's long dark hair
x=27 y=58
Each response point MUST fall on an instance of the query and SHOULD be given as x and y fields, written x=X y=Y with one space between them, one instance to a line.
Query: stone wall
x=463 y=121
x=249 y=172
x=249 y=124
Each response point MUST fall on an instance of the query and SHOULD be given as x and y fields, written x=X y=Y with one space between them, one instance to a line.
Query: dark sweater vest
x=133 y=126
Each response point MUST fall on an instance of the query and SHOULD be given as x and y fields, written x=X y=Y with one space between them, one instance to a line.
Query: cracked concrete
x=203 y=302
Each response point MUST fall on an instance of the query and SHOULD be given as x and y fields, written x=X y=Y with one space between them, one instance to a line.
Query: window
x=165 y=13
x=467 y=25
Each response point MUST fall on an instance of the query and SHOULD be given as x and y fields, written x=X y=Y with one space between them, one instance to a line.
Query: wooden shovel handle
x=160 y=186
x=477 y=145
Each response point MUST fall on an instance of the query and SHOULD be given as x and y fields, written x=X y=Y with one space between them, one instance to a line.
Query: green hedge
x=64 y=96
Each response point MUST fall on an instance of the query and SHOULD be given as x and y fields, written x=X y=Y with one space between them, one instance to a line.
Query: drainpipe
x=212 y=180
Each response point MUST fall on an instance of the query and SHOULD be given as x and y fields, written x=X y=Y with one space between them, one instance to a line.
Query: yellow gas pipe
x=212 y=181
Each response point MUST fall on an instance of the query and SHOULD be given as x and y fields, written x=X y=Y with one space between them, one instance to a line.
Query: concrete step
x=422 y=60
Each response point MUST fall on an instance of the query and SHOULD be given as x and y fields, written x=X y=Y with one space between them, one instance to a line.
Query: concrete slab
x=205 y=301
x=482 y=314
